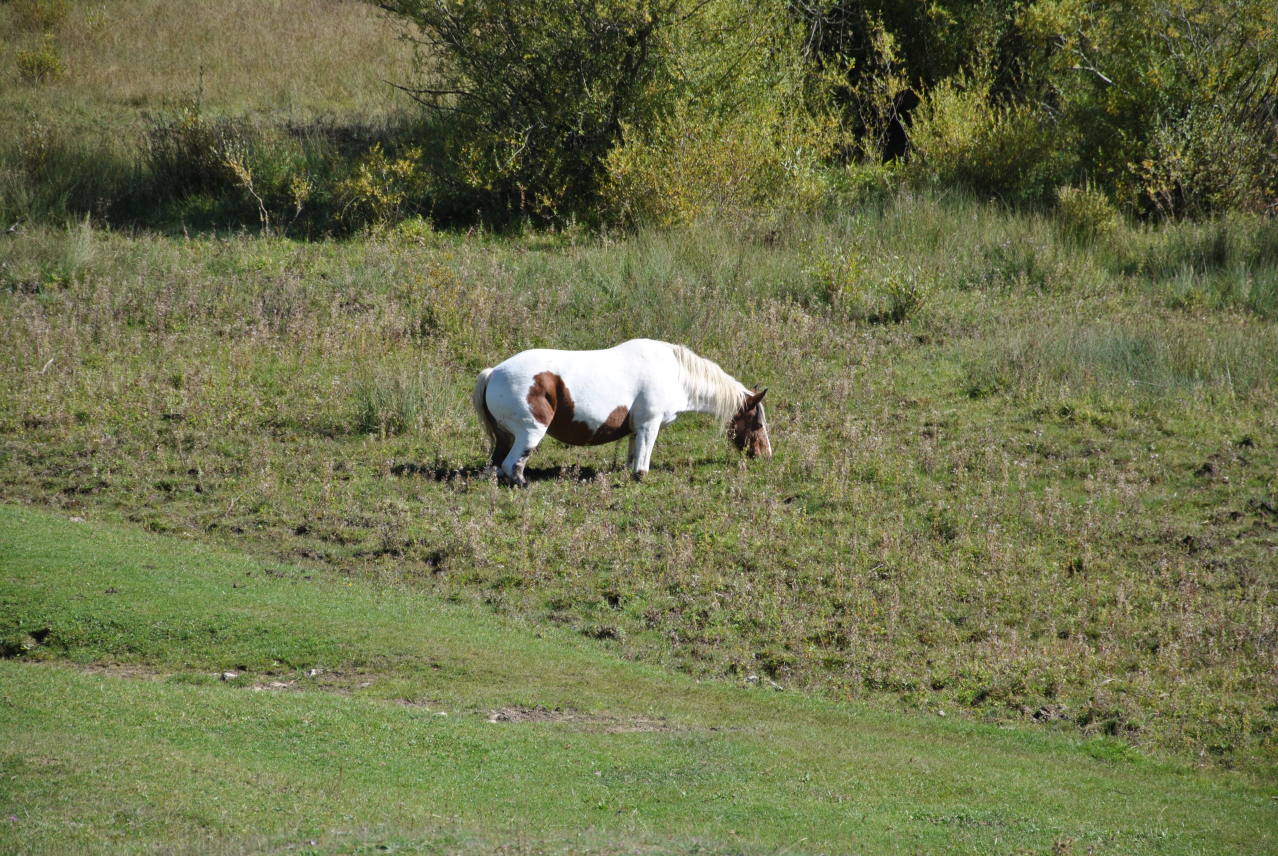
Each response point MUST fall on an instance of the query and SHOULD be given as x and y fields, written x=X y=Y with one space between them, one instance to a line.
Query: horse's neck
x=702 y=401
x=712 y=391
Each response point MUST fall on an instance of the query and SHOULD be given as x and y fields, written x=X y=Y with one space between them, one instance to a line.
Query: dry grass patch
x=297 y=58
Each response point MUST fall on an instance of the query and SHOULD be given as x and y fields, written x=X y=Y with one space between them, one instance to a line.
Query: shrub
x=691 y=166
x=1085 y=212
x=41 y=63
x=1207 y=161
x=960 y=138
x=537 y=91
x=383 y=189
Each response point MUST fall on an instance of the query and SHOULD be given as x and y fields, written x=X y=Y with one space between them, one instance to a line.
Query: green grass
x=1043 y=498
x=117 y=737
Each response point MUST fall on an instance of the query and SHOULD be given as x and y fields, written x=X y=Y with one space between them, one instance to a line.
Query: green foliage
x=383 y=190
x=959 y=137
x=1177 y=124
x=690 y=166
x=42 y=63
x=537 y=91
x=1086 y=213
x=1205 y=161
x=1016 y=98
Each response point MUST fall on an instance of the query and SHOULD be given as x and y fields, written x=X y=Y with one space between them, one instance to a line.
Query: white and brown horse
x=585 y=398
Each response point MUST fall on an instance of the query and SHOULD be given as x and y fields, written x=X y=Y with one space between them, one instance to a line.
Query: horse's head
x=748 y=428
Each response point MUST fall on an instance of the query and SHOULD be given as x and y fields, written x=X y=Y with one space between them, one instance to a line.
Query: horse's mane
x=708 y=385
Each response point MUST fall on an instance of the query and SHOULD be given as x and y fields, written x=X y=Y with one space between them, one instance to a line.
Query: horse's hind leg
x=523 y=444
x=502 y=443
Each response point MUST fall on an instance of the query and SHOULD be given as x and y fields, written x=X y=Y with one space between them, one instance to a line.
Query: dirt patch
x=606 y=723
x=133 y=671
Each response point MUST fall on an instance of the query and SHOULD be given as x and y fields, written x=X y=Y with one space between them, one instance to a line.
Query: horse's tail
x=481 y=406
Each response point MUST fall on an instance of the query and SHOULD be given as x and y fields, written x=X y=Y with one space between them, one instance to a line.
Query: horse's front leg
x=645 y=438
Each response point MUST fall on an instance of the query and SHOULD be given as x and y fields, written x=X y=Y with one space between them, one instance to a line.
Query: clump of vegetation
x=386 y=405
x=41 y=63
x=382 y=189
x=1015 y=100
x=41 y=16
x=1086 y=213
x=538 y=91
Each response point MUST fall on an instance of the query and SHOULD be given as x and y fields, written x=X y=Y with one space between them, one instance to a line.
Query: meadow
x=1019 y=536
x=186 y=699
x=1043 y=496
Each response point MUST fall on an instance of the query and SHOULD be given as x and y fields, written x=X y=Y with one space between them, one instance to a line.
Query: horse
x=587 y=398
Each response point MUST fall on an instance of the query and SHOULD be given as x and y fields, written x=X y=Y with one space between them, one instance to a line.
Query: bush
x=382 y=189
x=41 y=63
x=537 y=91
x=960 y=138
x=1205 y=161
x=1086 y=213
x=692 y=166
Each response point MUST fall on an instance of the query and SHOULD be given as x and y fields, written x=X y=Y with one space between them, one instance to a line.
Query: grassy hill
x=1045 y=496
x=1016 y=557
x=359 y=717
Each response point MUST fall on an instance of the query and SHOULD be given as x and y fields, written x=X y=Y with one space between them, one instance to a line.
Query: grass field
x=1044 y=497
x=362 y=717
x=278 y=59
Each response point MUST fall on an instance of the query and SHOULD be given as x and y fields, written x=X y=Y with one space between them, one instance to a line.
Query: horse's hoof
x=637 y=476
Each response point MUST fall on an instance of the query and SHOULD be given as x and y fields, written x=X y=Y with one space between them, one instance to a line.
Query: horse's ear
x=756 y=397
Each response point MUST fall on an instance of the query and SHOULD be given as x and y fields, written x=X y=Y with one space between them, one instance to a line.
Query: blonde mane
x=708 y=386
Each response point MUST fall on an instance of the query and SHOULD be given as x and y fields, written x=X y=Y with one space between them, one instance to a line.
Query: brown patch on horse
x=552 y=405
x=544 y=396
x=574 y=433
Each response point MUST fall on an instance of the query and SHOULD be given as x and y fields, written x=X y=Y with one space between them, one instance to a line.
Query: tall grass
x=1131 y=359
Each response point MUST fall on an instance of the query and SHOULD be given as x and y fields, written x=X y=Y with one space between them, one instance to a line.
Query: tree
x=536 y=92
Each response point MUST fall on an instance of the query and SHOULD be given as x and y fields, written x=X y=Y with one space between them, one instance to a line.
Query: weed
x=42 y=63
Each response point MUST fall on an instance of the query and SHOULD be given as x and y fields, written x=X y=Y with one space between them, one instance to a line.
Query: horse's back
x=636 y=359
